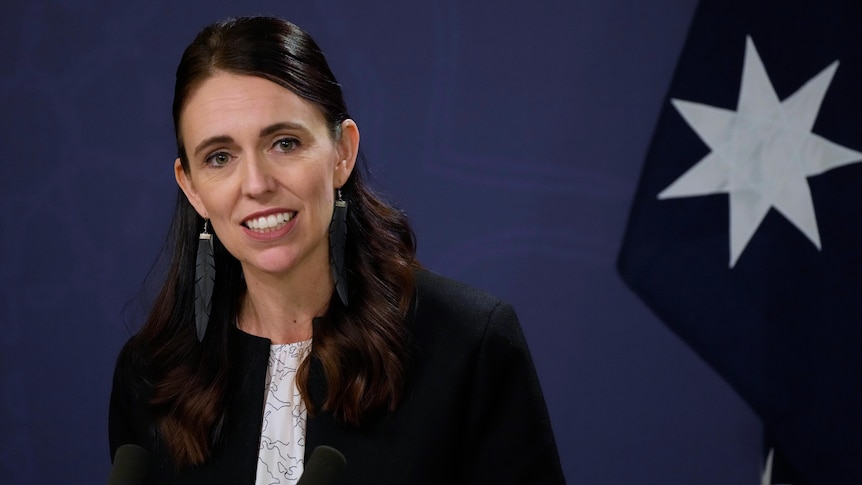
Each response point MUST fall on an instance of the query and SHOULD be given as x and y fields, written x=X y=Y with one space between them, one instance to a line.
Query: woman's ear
x=348 y=149
x=184 y=180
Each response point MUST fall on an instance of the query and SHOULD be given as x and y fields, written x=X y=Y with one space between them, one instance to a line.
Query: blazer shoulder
x=435 y=290
x=131 y=368
x=453 y=306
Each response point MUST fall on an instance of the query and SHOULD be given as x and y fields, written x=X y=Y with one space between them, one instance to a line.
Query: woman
x=294 y=313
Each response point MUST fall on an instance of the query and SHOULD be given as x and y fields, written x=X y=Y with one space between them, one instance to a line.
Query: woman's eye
x=218 y=159
x=286 y=144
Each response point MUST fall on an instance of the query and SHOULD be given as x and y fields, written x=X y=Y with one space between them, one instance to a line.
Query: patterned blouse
x=282 y=440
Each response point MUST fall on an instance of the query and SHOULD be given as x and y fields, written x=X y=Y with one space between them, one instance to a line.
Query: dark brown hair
x=362 y=348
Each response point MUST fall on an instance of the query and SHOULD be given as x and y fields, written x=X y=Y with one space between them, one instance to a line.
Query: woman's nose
x=256 y=176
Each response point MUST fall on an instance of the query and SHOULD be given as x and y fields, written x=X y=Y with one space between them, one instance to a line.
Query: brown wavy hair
x=362 y=347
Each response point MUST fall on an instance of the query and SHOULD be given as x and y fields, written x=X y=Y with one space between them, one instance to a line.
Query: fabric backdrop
x=512 y=134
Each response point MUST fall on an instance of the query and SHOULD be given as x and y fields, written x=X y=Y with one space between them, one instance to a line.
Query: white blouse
x=282 y=439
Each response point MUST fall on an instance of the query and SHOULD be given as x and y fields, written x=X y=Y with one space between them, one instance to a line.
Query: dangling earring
x=204 y=281
x=337 y=245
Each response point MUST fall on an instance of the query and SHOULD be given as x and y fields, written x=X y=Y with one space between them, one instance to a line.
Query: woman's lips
x=266 y=226
x=269 y=223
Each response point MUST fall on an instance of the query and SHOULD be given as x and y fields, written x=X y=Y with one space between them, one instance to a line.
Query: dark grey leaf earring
x=337 y=245
x=204 y=281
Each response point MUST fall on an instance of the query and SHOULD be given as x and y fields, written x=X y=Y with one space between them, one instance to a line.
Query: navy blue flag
x=745 y=235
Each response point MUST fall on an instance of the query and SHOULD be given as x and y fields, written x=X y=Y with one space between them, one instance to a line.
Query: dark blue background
x=512 y=133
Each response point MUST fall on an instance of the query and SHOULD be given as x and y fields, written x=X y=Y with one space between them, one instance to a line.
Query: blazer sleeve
x=127 y=412
x=512 y=439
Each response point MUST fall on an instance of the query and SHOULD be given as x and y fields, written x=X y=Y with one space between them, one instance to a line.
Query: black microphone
x=323 y=467
x=130 y=465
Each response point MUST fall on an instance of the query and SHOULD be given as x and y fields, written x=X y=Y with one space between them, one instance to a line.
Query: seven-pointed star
x=762 y=153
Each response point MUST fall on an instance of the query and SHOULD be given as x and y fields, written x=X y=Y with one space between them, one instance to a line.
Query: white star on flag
x=761 y=153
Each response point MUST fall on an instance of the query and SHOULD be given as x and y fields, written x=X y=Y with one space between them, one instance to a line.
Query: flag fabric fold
x=745 y=233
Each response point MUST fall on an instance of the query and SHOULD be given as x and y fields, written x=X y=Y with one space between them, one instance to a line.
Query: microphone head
x=324 y=466
x=130 y=465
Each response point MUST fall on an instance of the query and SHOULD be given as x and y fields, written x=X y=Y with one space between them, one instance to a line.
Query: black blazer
x=473 y=410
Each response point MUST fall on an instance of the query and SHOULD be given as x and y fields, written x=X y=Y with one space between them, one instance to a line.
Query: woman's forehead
x=228 y=102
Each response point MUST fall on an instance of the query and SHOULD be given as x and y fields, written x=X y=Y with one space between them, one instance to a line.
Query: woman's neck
x=281 y=308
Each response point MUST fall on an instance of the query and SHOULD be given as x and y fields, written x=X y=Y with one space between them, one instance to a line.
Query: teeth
x=269 y=223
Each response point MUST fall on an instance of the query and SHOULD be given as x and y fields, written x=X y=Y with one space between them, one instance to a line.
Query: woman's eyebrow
x=285 y=125
x=269 y=130
x=213 y=140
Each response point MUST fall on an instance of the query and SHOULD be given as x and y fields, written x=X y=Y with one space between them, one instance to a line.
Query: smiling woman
x=320 y=327
x=264 y=171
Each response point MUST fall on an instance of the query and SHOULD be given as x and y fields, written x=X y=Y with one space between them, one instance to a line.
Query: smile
x=272 y=222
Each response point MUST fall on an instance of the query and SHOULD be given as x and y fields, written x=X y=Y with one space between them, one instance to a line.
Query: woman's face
x=263 y=168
